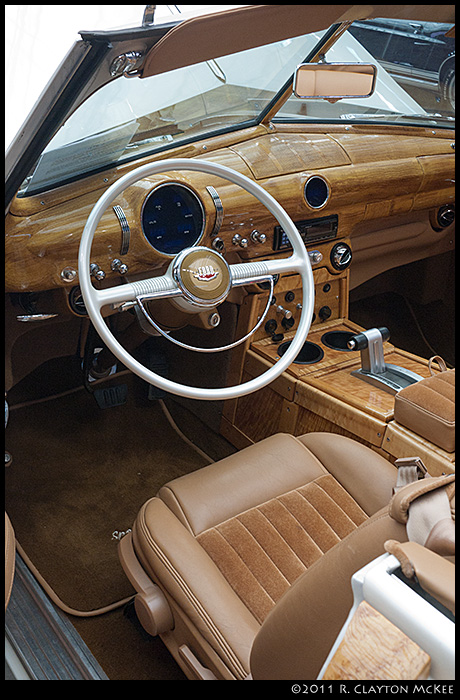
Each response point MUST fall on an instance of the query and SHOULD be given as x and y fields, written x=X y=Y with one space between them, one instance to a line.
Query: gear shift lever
x=374 y=369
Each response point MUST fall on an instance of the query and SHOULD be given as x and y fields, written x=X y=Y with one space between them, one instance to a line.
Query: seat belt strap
x=423 y=503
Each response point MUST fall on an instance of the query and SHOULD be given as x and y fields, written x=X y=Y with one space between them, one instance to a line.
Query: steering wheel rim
x=298 y=262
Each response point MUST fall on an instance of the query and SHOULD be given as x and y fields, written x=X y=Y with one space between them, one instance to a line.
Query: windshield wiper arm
x=416 y=116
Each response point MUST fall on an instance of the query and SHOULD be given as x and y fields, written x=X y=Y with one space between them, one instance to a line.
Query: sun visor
x=210 y=36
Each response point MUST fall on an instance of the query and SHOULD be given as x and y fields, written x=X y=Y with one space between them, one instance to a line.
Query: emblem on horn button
x=203 y=276
x=205 y=273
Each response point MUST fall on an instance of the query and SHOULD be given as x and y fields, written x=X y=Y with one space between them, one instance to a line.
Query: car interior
x=229 y=365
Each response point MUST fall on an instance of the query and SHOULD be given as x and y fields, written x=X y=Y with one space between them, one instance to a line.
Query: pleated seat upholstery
x=262 y=551
x=230 y=542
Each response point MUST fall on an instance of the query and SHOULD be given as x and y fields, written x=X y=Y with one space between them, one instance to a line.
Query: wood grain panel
x=371 y=174
x=375 y=649
x=310 y=422
x=259 y=419
x=340 y=383
x=332 y=359
x=279 y=154
x=330 y=290
x=339 y=413
x=402 y=442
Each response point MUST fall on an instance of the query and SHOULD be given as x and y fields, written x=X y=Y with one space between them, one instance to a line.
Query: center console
x=345 y=378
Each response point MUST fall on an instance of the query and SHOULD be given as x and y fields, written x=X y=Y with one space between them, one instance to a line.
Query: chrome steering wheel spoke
x=162 y=287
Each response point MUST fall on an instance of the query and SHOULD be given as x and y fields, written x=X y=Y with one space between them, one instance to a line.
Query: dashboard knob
x=315 y=256
x=324 y=313
x=96 y=272
x=258 y=237
x=117 y=266
x=284 y=312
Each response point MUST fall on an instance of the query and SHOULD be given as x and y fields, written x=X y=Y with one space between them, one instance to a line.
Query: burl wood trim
x=370 y=176
x=374 y=649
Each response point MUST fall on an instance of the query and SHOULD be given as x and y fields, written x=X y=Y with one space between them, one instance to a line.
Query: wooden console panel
x=325 y=396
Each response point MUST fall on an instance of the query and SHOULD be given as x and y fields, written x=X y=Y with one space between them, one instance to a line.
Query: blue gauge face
x=172 y=218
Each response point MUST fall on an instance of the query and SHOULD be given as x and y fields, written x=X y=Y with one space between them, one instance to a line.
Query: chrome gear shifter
x=374 y=369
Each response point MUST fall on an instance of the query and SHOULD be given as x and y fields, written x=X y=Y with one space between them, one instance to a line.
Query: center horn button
x=202 y=275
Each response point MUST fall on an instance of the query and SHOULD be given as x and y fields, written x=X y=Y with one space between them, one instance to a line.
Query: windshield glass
x=415 y=77
x=131 y=117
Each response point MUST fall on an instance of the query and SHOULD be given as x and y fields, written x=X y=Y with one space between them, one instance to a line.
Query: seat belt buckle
x=412 y=462
x=410 y=469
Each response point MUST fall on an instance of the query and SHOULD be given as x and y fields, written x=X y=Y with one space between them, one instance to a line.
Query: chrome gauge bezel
x=328 y=192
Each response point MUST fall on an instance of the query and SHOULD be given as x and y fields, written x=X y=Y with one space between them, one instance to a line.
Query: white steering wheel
x=186 y=281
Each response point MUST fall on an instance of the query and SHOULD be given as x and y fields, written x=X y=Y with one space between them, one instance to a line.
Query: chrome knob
x=96 y=272
x=244 y=243
x=258 y=237
x=118 y=266
x=218 y=244
x=214 y=319
x=68 y=274
x=315 y=256
x=284 y=312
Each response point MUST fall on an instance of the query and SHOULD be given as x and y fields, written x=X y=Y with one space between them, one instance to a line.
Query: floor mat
x=79 y=474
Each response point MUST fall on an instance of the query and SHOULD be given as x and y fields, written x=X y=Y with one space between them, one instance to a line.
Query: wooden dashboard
x=385 y=196
x=383 y=186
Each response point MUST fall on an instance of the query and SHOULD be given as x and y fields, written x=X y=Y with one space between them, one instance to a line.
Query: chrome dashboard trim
x=219 y=209
x=125 y=230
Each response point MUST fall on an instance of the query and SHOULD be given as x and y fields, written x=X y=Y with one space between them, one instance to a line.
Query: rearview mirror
x=334 y=81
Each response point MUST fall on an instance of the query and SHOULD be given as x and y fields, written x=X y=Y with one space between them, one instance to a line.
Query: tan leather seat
x=255 y=553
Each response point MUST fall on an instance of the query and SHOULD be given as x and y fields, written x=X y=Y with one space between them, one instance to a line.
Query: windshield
x=415 y=78
x=130 y=117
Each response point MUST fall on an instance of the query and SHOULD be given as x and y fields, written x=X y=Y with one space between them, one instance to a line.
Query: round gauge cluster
x=172 y=218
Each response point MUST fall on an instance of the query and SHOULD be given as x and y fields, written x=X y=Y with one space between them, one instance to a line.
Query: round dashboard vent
x=316 y=192
x=445 y=216
x=76 y=301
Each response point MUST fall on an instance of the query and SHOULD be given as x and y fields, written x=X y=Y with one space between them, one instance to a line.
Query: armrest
x=435 y=574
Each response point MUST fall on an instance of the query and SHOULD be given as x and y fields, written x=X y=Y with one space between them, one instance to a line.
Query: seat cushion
x=226 y=542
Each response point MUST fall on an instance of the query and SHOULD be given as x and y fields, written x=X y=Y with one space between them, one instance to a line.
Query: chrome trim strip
x=125 y=230
x=219 y=209
x=35 y=317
